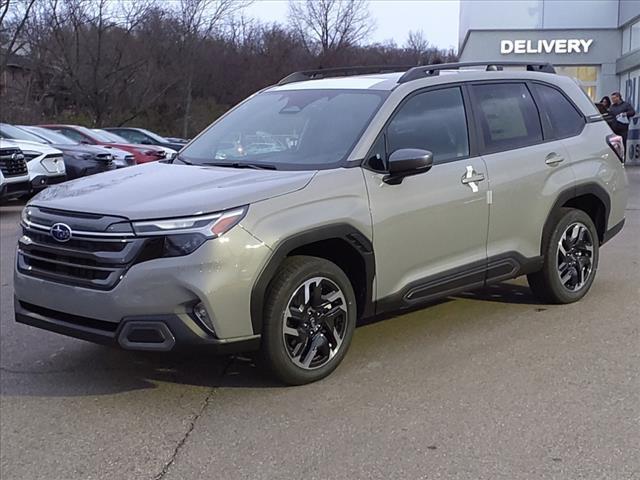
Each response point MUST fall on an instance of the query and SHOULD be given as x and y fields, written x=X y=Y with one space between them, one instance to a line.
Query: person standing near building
x=603 y=107
x=622 y=112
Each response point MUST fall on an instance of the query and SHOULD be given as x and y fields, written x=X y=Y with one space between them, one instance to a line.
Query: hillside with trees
x=173 y=66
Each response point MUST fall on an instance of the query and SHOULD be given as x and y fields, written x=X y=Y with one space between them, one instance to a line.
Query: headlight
x=182 y=236
x=53 y=164
x=210 y=226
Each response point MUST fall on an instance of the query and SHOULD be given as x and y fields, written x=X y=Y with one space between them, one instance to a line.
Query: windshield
x=288 y=130
x=108 y=137
x=51 y=136
x=155 y=136
x=11 y=132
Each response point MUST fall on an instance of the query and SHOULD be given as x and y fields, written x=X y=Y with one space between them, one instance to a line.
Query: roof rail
x=430 y=70
x=341 y=72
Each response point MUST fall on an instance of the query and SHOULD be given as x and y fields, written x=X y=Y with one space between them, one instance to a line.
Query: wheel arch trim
x=338 y=231
x=590 y=188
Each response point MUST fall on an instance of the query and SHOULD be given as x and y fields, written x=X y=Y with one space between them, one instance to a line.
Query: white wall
x=499 y=14
x=542 y=14
x=580 y=14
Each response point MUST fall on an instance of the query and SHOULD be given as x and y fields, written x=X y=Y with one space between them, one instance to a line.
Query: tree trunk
x=187 y=106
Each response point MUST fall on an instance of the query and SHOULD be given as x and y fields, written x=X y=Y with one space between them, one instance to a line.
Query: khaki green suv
x=333 y=196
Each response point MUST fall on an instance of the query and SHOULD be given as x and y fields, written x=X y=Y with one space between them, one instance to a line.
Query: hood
x=27 y=146
x=143 y=148
x=80 y=148
x=161 y=190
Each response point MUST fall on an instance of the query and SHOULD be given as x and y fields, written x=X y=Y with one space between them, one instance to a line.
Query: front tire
x=571 y=254
x=309 y=319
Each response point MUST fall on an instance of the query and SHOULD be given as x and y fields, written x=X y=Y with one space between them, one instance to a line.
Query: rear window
x=508 y=116
x=564 y=120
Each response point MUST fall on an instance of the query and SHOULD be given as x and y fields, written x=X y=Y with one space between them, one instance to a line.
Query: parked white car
x=45 y=163
x=14 y=175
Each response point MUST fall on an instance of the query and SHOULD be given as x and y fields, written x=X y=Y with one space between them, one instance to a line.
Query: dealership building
x=597 y=42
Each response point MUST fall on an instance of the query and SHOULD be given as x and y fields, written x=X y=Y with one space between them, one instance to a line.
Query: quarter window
x=508 y=116
x=564 y=119
x=433 y=121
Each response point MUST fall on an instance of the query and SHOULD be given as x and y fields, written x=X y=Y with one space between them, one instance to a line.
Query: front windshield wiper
x=256 y=166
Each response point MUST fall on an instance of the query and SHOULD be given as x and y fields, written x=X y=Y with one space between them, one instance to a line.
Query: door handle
x=478 y=177
x=553 y=159
x=471 y=178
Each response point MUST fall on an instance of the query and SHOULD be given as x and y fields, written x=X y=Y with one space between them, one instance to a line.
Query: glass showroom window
x=635 y=37
x=586 y=75
x=626 y=39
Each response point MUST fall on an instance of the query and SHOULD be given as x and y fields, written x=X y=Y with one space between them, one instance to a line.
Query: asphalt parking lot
x=489 y=385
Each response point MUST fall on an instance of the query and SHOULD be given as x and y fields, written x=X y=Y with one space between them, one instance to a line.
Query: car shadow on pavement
x=504 y=292
x=91 y=369
x=83 y=369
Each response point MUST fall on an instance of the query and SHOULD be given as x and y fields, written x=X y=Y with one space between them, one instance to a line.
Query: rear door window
x=563 y=118
x=507 y=115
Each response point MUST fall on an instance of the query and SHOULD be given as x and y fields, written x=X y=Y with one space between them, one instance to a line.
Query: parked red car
x=141 y=153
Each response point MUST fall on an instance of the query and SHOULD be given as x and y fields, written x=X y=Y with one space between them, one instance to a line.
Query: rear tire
x=309 y=319
x=571 y=254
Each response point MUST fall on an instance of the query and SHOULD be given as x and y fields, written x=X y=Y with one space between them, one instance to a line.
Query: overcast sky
x=394 y=18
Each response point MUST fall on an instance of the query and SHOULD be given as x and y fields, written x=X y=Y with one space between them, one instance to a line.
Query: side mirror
x=406 y=162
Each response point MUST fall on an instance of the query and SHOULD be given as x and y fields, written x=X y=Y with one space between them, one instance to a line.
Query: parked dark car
x=145 y=137
x=79 y=160
x=121 y=158
x=142 y=153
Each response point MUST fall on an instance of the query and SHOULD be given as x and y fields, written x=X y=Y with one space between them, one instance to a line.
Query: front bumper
x=41 y=182
x=14 y=189
x=147 y=333
x=220 y=274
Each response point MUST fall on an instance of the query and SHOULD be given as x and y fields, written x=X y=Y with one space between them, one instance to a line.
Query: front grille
x=12 y=163
x=105 y=158
x=96 y=256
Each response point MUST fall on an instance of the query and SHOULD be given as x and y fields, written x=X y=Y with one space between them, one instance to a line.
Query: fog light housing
x=201 y=314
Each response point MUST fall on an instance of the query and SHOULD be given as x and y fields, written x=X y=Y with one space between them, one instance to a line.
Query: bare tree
x=417 y=45
x=197 y=21
x=326 y=26
x=13 y=18
x=173 y=66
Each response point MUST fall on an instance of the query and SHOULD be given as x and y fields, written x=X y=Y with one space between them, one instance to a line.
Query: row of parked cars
x=33 y=157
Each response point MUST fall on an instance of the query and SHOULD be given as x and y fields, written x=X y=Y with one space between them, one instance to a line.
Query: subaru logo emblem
x=61 y=232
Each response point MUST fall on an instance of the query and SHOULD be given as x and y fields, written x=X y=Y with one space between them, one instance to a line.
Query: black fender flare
x=574 y=192
x=342 y=231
